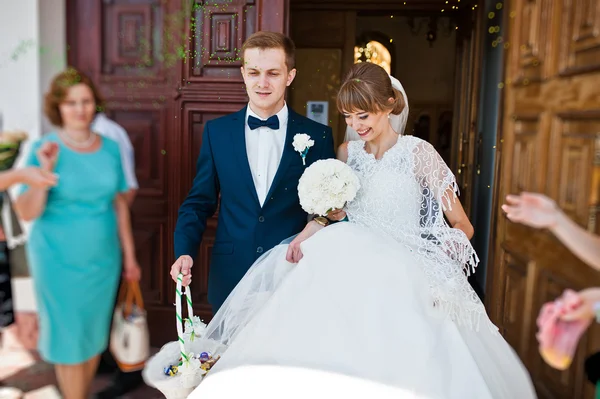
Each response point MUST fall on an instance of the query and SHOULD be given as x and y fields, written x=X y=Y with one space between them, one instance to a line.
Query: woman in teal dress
x=81 y=234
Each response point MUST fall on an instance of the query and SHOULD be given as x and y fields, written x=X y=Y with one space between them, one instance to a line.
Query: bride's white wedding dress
x=383 y=297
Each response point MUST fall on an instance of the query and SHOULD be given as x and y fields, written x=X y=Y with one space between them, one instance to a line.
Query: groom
x=248 y=159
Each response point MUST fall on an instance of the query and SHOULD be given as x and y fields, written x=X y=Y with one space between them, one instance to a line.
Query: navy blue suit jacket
x=245 y=229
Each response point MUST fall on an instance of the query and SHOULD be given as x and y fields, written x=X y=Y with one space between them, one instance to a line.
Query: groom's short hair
x=272 y=40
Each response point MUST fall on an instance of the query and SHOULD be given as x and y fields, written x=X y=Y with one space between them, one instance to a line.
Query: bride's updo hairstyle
x=368 y=88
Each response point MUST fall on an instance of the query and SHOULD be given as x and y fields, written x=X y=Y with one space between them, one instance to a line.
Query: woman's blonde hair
x=368 y=88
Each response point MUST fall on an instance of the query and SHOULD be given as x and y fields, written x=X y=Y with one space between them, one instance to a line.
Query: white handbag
x=129 y=336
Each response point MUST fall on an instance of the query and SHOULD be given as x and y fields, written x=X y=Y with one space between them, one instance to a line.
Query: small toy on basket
x=171 y=370
x=209 y=363
x=204 y=361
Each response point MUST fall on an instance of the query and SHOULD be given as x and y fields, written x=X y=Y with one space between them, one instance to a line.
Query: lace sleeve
x=448 y=254
x=437 y=180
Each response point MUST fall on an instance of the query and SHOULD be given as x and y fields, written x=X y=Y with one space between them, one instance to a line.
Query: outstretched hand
x=535 y=210
x=37 y=177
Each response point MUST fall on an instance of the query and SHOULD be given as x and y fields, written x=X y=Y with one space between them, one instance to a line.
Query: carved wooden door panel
x=165 y=68
x=550 y=143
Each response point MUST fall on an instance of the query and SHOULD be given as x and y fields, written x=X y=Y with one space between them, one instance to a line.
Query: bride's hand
x=294 y=254
x=336 y=215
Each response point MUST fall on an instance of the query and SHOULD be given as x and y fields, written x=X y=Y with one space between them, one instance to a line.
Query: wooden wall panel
x=575 y=151
x=516 y=302
x=529 y=153
x=580 y=46
x=531 y=39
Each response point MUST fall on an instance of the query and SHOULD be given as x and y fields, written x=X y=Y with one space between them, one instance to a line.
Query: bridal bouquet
x=326 y=185
x=10 y=144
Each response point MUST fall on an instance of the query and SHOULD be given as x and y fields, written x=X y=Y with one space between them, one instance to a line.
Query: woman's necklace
x=79 y=144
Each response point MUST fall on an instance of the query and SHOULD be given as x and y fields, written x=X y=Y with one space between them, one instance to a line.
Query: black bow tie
x=271 y=123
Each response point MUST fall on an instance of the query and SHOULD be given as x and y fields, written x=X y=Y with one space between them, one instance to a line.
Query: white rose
x=302 y=141
x=190 y=366
x=196 y=325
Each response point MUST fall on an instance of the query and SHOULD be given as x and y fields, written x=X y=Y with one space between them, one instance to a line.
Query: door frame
x=492 y=302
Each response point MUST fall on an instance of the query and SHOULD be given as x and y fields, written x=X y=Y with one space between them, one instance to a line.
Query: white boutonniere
x=302 y=143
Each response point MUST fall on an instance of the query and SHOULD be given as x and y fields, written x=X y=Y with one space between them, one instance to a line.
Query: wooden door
x=466 y=102
x=550 y=143
x=167 y=67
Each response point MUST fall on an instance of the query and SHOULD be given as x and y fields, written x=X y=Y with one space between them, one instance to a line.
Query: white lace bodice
x=401 y=192
x=389 y=198
x=403 y=195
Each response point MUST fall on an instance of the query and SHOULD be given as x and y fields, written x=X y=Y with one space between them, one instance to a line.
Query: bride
x=383 y=294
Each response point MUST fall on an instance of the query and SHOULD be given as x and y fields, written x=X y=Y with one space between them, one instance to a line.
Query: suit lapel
x=238 y=138
x=294 y=126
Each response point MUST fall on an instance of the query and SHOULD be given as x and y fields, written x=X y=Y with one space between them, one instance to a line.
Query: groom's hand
x=183 y=265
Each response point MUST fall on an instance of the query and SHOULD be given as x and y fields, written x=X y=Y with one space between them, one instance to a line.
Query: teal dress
x=74 y=252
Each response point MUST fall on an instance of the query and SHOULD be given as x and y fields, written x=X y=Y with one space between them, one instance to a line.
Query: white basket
x=172 y=387
x=178 y=386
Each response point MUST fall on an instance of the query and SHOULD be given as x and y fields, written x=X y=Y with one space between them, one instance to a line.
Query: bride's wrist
x=313 y=227
x=322 y=221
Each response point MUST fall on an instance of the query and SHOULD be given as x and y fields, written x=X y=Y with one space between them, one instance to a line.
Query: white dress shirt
x=111 y=129
x=264 y=147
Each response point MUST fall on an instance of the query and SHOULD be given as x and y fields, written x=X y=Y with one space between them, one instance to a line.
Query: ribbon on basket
x=190 y=311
